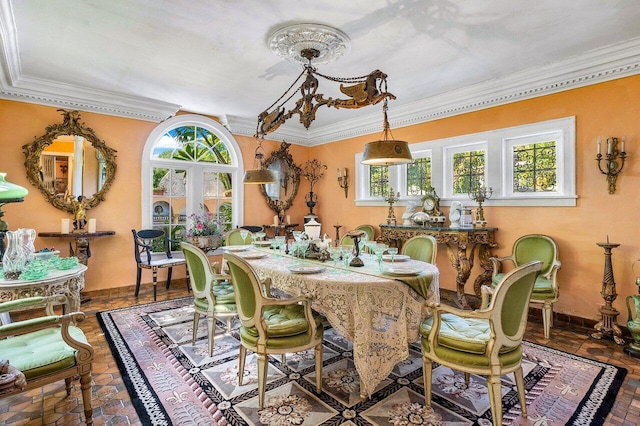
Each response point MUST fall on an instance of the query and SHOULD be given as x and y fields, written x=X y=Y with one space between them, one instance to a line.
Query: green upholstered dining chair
x=546 y=290
x=213 y=294
x=421 y=247
x=487 y=342
x=233 y=237
x=152 y=250
x=369 y=229
x=272 y=326
x=47 y=348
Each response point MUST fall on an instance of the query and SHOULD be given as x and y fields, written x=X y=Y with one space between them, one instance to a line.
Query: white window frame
x=194 y=190
x=498 y=166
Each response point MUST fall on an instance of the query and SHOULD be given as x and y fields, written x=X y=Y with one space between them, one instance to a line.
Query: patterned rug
x=173 y=382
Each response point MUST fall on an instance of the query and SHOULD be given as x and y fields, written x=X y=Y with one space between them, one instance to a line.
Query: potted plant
x=204 y=230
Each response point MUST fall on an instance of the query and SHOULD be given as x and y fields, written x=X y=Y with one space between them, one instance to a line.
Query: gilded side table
x=82 y=249
x=462 y=245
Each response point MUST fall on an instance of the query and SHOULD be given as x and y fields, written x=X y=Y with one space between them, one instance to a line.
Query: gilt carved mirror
x=70 y=160
x=280 y=195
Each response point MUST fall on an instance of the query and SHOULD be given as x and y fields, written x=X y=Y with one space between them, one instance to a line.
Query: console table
x=461 y=243
x=82 y=250
x=69 y=283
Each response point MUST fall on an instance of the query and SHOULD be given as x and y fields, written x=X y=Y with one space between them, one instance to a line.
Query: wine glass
x=335 y=253
x=378 y=250
x=347 y=254
x=244 y=234
x=392 y=251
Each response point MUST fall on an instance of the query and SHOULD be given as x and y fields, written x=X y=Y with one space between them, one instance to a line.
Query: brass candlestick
x=343 y=180
x=480 y=195
x=391 y=216
x=612 y=166
x=607 y=326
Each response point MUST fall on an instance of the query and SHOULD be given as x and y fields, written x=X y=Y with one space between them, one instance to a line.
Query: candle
x=608 y=146
x=288 y=220
x=92 y=226
x=64 y=226
x=275 y=220
x=622 y=146
x=339 y=173
x=599 y=142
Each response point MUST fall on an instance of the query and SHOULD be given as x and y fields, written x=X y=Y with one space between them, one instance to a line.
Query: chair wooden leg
x=211 y=329
x=241 y=359
x=155 y=282
x=521 y=395
x=169 y=271
x=85 y=386
x=467 y=379
x=495 y=399
x=67 y=385
x=138 y=278
x=547 y=318
x=427 y=375
x=188 y=281
x=263 y=366
x=318 y=354
x=196 y=322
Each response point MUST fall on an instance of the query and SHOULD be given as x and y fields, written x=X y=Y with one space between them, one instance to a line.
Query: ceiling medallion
x=289 y=43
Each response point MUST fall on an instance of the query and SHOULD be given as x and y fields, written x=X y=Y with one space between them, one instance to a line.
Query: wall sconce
x=612 y=166
x=343 y=180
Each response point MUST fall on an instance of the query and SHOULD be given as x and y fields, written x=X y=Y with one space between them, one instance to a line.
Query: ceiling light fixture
x=387 y=151
x=259 y=175
x=312 y=44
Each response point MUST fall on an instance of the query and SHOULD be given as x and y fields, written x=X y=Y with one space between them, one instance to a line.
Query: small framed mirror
x=69 y=160
x=280 y=195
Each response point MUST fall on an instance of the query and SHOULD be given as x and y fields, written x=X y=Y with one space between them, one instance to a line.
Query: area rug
x=172 y=382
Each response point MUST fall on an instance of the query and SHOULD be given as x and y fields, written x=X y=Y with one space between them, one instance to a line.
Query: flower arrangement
x=203 y=224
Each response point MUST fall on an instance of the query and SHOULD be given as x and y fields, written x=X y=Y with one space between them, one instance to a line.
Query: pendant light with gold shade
x=387 y=151
x=259 y=175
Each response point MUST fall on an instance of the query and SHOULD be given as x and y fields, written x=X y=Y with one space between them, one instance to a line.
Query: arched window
x=191 y=165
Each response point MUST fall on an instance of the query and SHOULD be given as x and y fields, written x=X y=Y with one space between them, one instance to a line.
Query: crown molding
x=600 y=65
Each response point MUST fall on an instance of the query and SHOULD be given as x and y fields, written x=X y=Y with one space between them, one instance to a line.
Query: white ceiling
x=149 y=58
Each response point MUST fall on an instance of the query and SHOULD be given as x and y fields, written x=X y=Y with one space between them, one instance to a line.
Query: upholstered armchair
x=47 y=349
x=272 y=326
x=546 y=290
x=368 y=229
x=213 y=294
x=233 y=237
x=487 y=342
x=421 y=247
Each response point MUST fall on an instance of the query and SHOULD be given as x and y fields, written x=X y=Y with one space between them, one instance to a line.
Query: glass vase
x=14 y=259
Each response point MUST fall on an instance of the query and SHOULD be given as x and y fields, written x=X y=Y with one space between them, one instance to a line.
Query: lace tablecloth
x=379 y=314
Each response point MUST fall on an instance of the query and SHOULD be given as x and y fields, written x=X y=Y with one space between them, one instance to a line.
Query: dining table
x=379 y=312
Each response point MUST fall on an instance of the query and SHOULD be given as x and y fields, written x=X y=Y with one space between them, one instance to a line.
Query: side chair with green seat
x=152 y=250
x=546 y=290
x=486 y=342
x=369 y=229
x=213 y=294
x=47 y=348
x=233 y=237
x=421 y=247
x=272 y=326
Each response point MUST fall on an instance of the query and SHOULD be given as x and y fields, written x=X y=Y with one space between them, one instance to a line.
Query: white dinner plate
x=402 y=271
x=306 y=269
x=235 y=248
x=396 y=258
x=262 y=243
x=252 y=254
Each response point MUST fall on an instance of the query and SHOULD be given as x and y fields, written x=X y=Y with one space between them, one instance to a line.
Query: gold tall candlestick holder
x=607 y=326
x=391 y=199
x=480 y=195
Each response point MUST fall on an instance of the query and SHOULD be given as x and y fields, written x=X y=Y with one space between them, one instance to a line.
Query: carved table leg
x=484 y=253
x=461 y=257
x=83 y=253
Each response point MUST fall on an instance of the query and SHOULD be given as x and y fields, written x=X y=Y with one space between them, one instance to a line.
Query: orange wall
x=607 y=109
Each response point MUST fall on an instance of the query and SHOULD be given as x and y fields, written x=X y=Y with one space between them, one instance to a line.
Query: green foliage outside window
x=419 y=176
x=535 y=167
x=379 y=181
x=468 y=171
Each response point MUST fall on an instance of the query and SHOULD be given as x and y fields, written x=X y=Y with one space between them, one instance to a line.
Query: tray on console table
x=462 y=245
